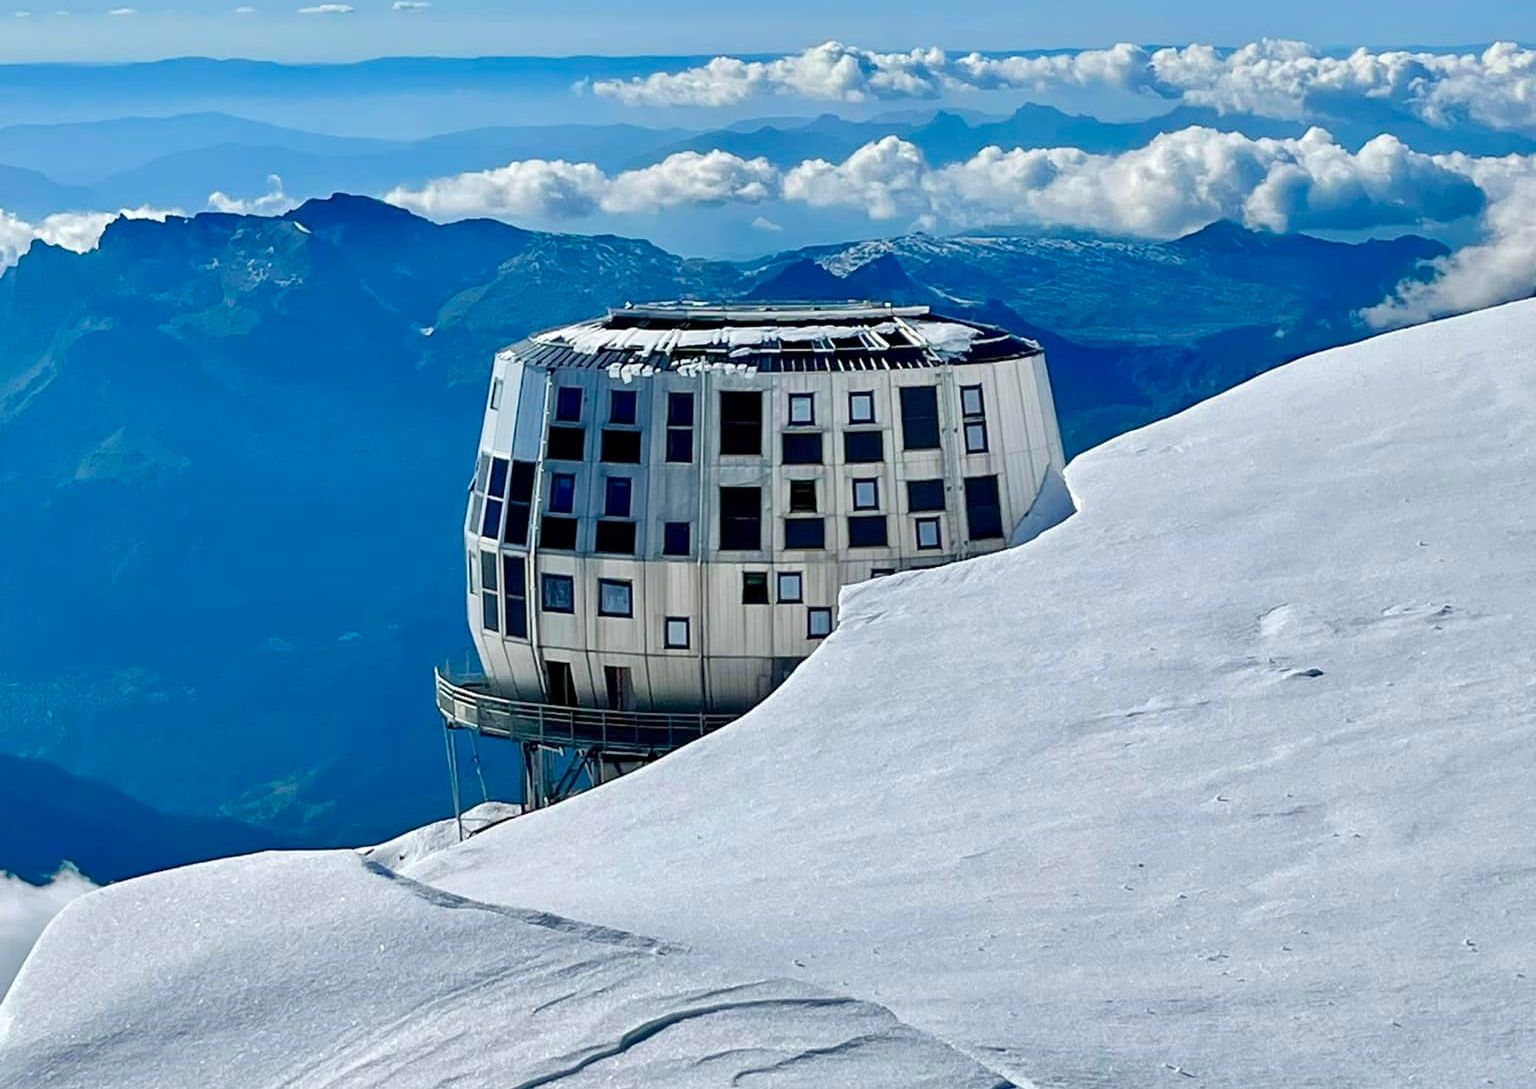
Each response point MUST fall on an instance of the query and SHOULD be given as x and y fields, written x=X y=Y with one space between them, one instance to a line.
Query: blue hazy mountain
x=235 y=450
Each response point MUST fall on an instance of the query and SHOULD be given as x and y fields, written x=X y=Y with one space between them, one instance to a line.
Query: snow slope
x=1226 y=779
x=316 y=970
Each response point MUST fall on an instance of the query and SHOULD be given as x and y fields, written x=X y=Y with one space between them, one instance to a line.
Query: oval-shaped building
x=669 y=497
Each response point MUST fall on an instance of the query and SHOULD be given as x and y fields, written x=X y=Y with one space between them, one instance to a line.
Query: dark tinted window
x=802 y=496
x=679 y=410
x=867 y=531
x=621 y=447
x=498 y=485
x=557 y=594
x=983 y=508
x=615 y=537
x=919 y=418
x=490 y=525
x=490 y=611
x=568 y=404
x=621 y=406
x=520 y=503
x=802 y=448
x=567 y=443
x=805 y=533
x=754 y=588
x=741 y=519
x=675 y=539
x=557 y=533
x=514 y=576
x=863 y=446
x=925 y=495
x=616 y=498
x=741 y=422
x=562 y=493
x=680 y=444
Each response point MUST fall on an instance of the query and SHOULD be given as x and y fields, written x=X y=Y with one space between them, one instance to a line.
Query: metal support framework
x=453 y=778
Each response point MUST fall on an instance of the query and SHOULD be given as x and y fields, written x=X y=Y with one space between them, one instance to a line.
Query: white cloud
x=271 y=203
x=763 y=223
x=23 y=15
x=123 y=11
x=1281 y=79
x=410 y=5
x=328 y=9
x=77 y=231
x=245 y=10
x=26 y=909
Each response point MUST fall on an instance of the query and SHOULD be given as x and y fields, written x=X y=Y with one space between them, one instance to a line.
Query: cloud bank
x=77 y=231
x=1177 y=183
x=26 y=909
x=1272 y=78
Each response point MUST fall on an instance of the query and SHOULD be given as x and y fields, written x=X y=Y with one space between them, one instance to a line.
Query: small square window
x=675 y=539
x=621 y=406
x=863 y=447
x=866 y=494
x=614 y=537
x=925 y=495
x=566 y=443
x=791 y=588
x=557 y=533
x=621 y=447
x=805 y=533
x=754 y=588
x=971 y=403
x=818 y=622
x=568 y=404
x=861 y=408
x=615 y=597
x=562 y=493
x=557 y=593
x=675 y=633
x=928 y=536
x=802 y=409
x=975 y=437
x=616 y=497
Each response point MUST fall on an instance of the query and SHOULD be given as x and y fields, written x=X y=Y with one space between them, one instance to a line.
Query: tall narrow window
x=520 y=502
x=490 y=618
x=498 y=483
x=802 y=409
x=621 y=407
x=741 y=422
x=489 y=571
x=560 y=683
x=919 y=418
x=568 y=404
x=741 y=519
x=514 y=592
x=675 y=539
x=620 y=688
x=802 y=496
x=680 y=427
x=973 y=409
x=861 y=407
x=615 y=597
x=491 y=525
x=616 y=497
x=983 y=508
x=562 y=493
x=675 y=633
x=496 y=395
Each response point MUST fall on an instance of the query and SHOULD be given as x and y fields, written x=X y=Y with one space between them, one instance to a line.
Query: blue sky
x=559 y=27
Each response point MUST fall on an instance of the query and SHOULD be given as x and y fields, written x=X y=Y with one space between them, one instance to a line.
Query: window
x=861 y=407
x=621 y=407
x=862 y=447
x=802 y=496
x=975 y=436
x=615 y=597
x=805 y=533
x=614 y=537
x=802 y=448
x=741 y=519
x=496 y=395
x=925 y=495
x=983 y=508
x=791 y=588
x=488 y=571
x=490 y=618
x=919 y=418
x=818 y=623
x=971 y=403
x=557 y=594
x=616 y=496
x=741 y=422
x=674 y=633
x=621 y=447
x=557 y=533
x=680 y=427
x=802 y=409
x=928 y=536
x=754 y=587
x=619 y=687
x=866 y=494
x=867 y=531
x=675 y=539
x=881 y=572
x=498 y=484
x=568 y=404
x=560 y=683
x=520 y=502
x=490 y=526
x=514 y=590
x=566 y=443
x=562 y=493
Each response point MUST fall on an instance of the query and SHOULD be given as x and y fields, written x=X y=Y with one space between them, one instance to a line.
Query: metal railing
x=467 y=703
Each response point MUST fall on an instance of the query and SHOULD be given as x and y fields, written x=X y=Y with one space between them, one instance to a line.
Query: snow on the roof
x=312 y=969
x=1225 y=780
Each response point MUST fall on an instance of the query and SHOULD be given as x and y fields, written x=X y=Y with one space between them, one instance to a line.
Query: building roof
x=851 y=336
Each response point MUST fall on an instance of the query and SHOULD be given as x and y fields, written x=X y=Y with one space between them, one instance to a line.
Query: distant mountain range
x=233 y=451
